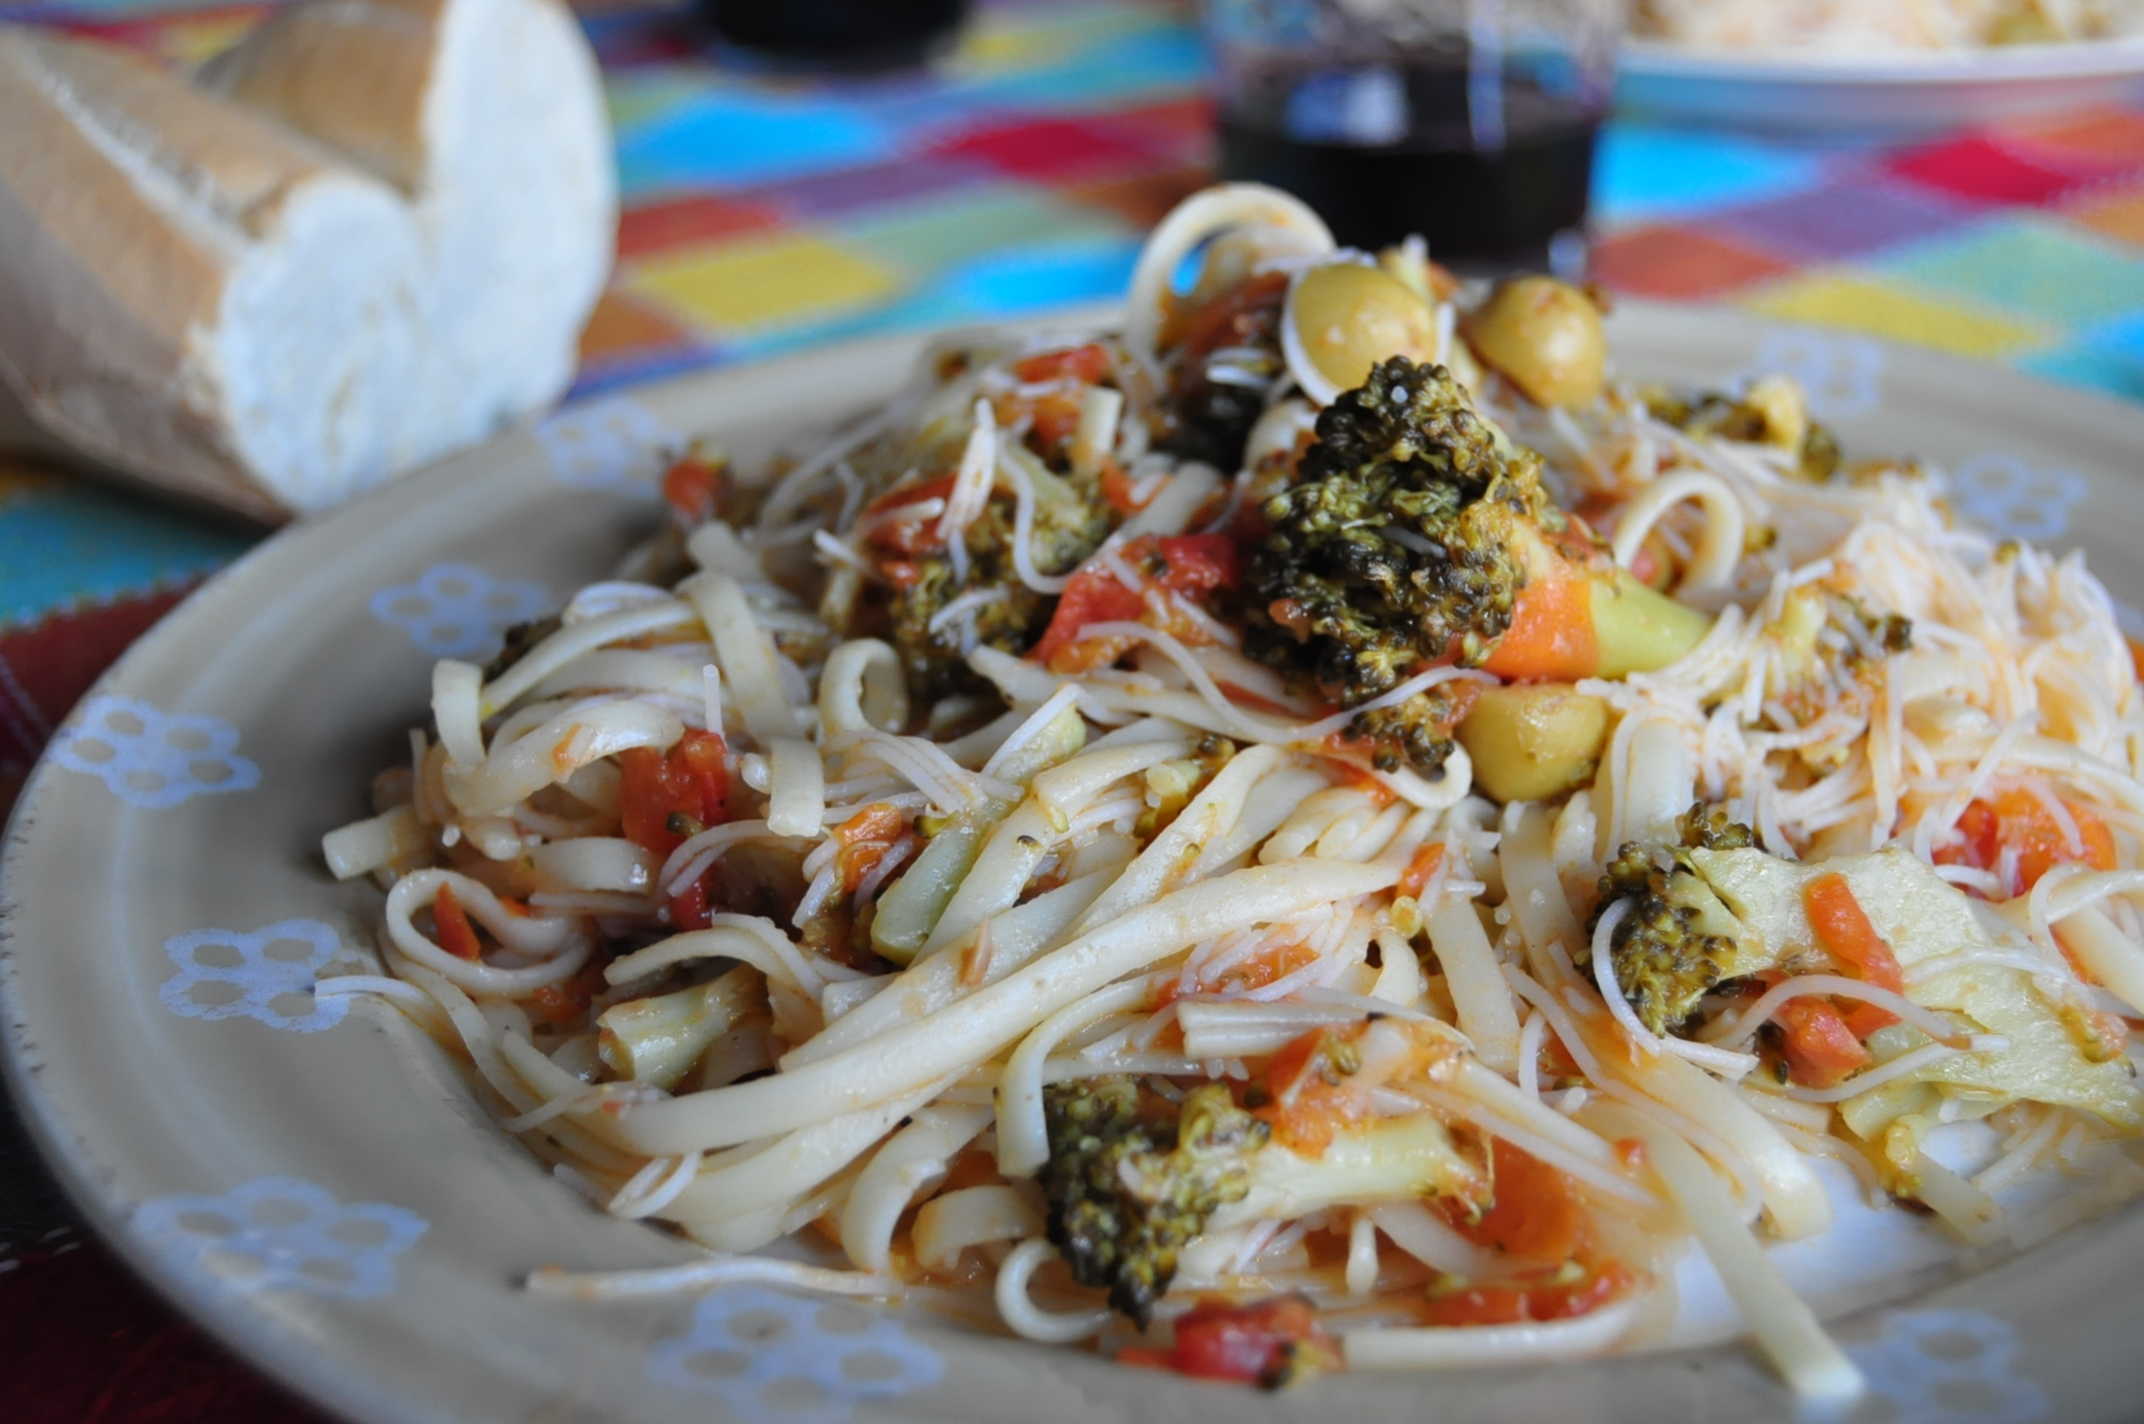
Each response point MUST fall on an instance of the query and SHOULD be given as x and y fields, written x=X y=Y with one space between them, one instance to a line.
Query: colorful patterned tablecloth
x=766 y=210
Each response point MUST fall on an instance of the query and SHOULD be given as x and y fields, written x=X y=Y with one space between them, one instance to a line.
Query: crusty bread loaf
x=159 y=249
x=488 y=115
x=365 y=238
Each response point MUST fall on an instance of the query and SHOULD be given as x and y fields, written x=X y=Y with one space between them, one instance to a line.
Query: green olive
x=1531 y=741
x=1344 y=318
x=1545 y=337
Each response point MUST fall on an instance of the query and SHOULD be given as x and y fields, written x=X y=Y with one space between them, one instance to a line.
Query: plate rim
x=338 y=1383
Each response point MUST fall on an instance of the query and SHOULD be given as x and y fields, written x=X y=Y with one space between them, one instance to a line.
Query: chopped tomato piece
x=1233 y=318
x=1052 y=420
x=1519 y=1302
x=1863 y=1018
x=702 y=757
x=1200 y=563
x=1118 y=490
x=1189 y=565
x=1309 y=1097
x=1286 y=1068
x=456 y=935
x=692 y=487
x=1092 y=596
x=1535 y=1217
x=1648 y=568
x=937 y=487
x=689 y=907
x=566 y=1002
x=1354 y=773
x=1262 y=969
x=1052 y=416
x=1087 y=364
x=865 y=838
x=1557 y=1064
x=907 y=537
x=1267 y=1343
x=1421 y=869
x=1821 y=1048
x=1551 y=633
x=1843 y=929
x=663 y=797
x=2017 y=820
x=645 y=800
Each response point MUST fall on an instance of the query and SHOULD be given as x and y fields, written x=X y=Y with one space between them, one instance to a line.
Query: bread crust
x=158 y=316
x=125 y=199
x=356 y=75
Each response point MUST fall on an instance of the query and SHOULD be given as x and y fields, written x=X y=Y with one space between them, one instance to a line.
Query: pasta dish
x=1322 y=827
x=1858 y=26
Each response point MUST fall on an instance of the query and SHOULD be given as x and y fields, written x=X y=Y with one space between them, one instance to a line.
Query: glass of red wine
x=1471 y=122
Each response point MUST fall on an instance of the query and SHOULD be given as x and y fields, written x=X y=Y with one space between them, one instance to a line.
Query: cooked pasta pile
x=1856 y=26
x=1318 y=828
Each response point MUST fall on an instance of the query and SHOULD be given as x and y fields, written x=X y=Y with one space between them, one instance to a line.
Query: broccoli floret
x=1416 y=733
x=1772 y=412
x=1128 y=1190
x=1709 y=828
x=1798 y=635
x=1404 y=540
x=1679 y=940
x=1066 y=530
x=1132 y=1179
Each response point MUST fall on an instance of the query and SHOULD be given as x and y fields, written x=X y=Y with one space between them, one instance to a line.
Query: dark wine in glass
x=1479 y=139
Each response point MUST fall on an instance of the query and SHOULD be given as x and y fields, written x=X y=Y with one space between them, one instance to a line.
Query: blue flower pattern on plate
x=266 y=975
x=152 y=759
x=282 y=1233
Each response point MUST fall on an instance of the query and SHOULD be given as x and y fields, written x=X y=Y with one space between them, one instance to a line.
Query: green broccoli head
x=1709 y=828
x=1404 y=540
x=1417 y=732
x=1066 y=530
x=1797 y=635
x=1772 y=412
x=1128 y=1187
x=1678 y=941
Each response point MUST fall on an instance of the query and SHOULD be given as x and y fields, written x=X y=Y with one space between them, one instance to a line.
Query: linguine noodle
x=783 y=904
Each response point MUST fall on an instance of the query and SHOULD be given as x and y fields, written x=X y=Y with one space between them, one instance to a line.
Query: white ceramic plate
x=1886 y=94
x=313 y=1181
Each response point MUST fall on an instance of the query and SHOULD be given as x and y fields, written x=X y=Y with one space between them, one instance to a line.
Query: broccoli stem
x=1575 y=616
x=1637 y=629
x=909 y=909
x=1128 y=1188
x=1393 y=1159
